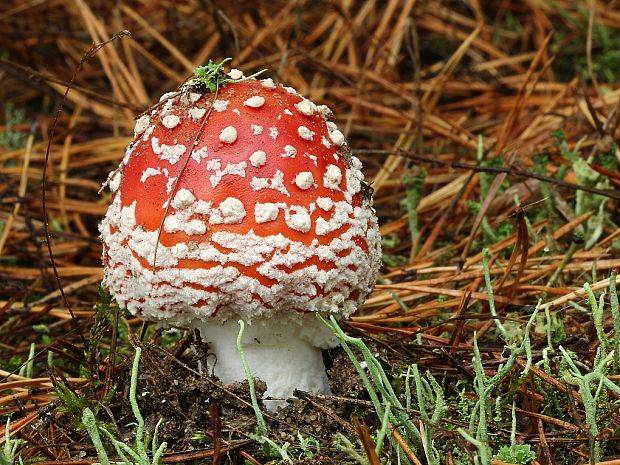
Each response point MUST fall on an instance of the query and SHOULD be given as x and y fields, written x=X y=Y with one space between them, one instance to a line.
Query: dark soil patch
x=190 y=404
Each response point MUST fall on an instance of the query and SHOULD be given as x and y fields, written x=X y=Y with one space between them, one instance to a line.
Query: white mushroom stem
x=286 y=355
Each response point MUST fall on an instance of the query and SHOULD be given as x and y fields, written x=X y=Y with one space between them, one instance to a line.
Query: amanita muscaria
x=270 y=222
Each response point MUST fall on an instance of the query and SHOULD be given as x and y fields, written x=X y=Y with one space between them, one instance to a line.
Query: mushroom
x=243 y=202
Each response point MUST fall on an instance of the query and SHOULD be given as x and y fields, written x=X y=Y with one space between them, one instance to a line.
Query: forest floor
x=488 y=134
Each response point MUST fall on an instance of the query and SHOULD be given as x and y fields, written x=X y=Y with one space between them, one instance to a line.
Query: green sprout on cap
x=212 y=75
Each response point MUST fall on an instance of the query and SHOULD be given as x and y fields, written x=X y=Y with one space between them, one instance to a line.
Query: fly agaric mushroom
x=267 y=219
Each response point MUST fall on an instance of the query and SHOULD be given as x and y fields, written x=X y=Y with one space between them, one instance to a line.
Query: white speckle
x=255 y=102
x=228 y=135
x=289 y=152
x=232 y=210
x=237 y=112
x=288 y=112
x=305 y=133
x=202 y=208
x=170 y=182
x=175 y=223
x=325 y=111
x=148 y=132
x=276 y=182
x=141 y=125
x=305 y=107
x=166 y=107
x=311 y=157
x=171 y=121
x=214 y=165
x=340 y=217
x=325 y=203
x=304 y=180
x=300 y=220
x=183 y=199
x=257 y=129
x=235 y=74
x=172 y=153
x=258 y=158
x=237 y=169
x=355 y=177
x=197 y=113
x=273 y=132
x=155 y=146
x=291 y=90
x=333 y=177
x=195 y=227
x=325 y=142
x=167 y=95
x=172 y=224
x=199 y=154
x=268 y=83
x=147 y=173
x=220 y=105
x=264 y=212
x=194 y=97
x=114 y=180
x=337 y=137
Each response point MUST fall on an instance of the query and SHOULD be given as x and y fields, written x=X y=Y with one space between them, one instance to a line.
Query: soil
x=190 y=403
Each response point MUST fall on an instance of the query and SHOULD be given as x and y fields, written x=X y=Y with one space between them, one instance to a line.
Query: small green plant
x=27 y=368
x=593 y=386
x=261 y=426
x=515 y=453
x=584 y=201
x=11 y=139
x=137 y=455
x=212 y=75
x=431 y=404
x=519 y=453
x=9 y=450
x=477 y=434
x=570 y=53
x=306 y=446
x=344 y=444
x=386 y=402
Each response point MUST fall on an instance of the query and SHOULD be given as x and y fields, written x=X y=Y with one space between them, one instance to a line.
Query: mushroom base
x=286 y=355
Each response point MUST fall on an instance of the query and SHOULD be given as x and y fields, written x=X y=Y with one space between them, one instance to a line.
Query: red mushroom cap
x=270 y=214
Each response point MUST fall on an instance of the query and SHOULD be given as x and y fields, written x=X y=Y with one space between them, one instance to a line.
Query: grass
x=492 y=333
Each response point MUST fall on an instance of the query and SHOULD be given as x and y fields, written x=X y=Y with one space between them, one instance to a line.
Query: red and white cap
x=270 y=218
